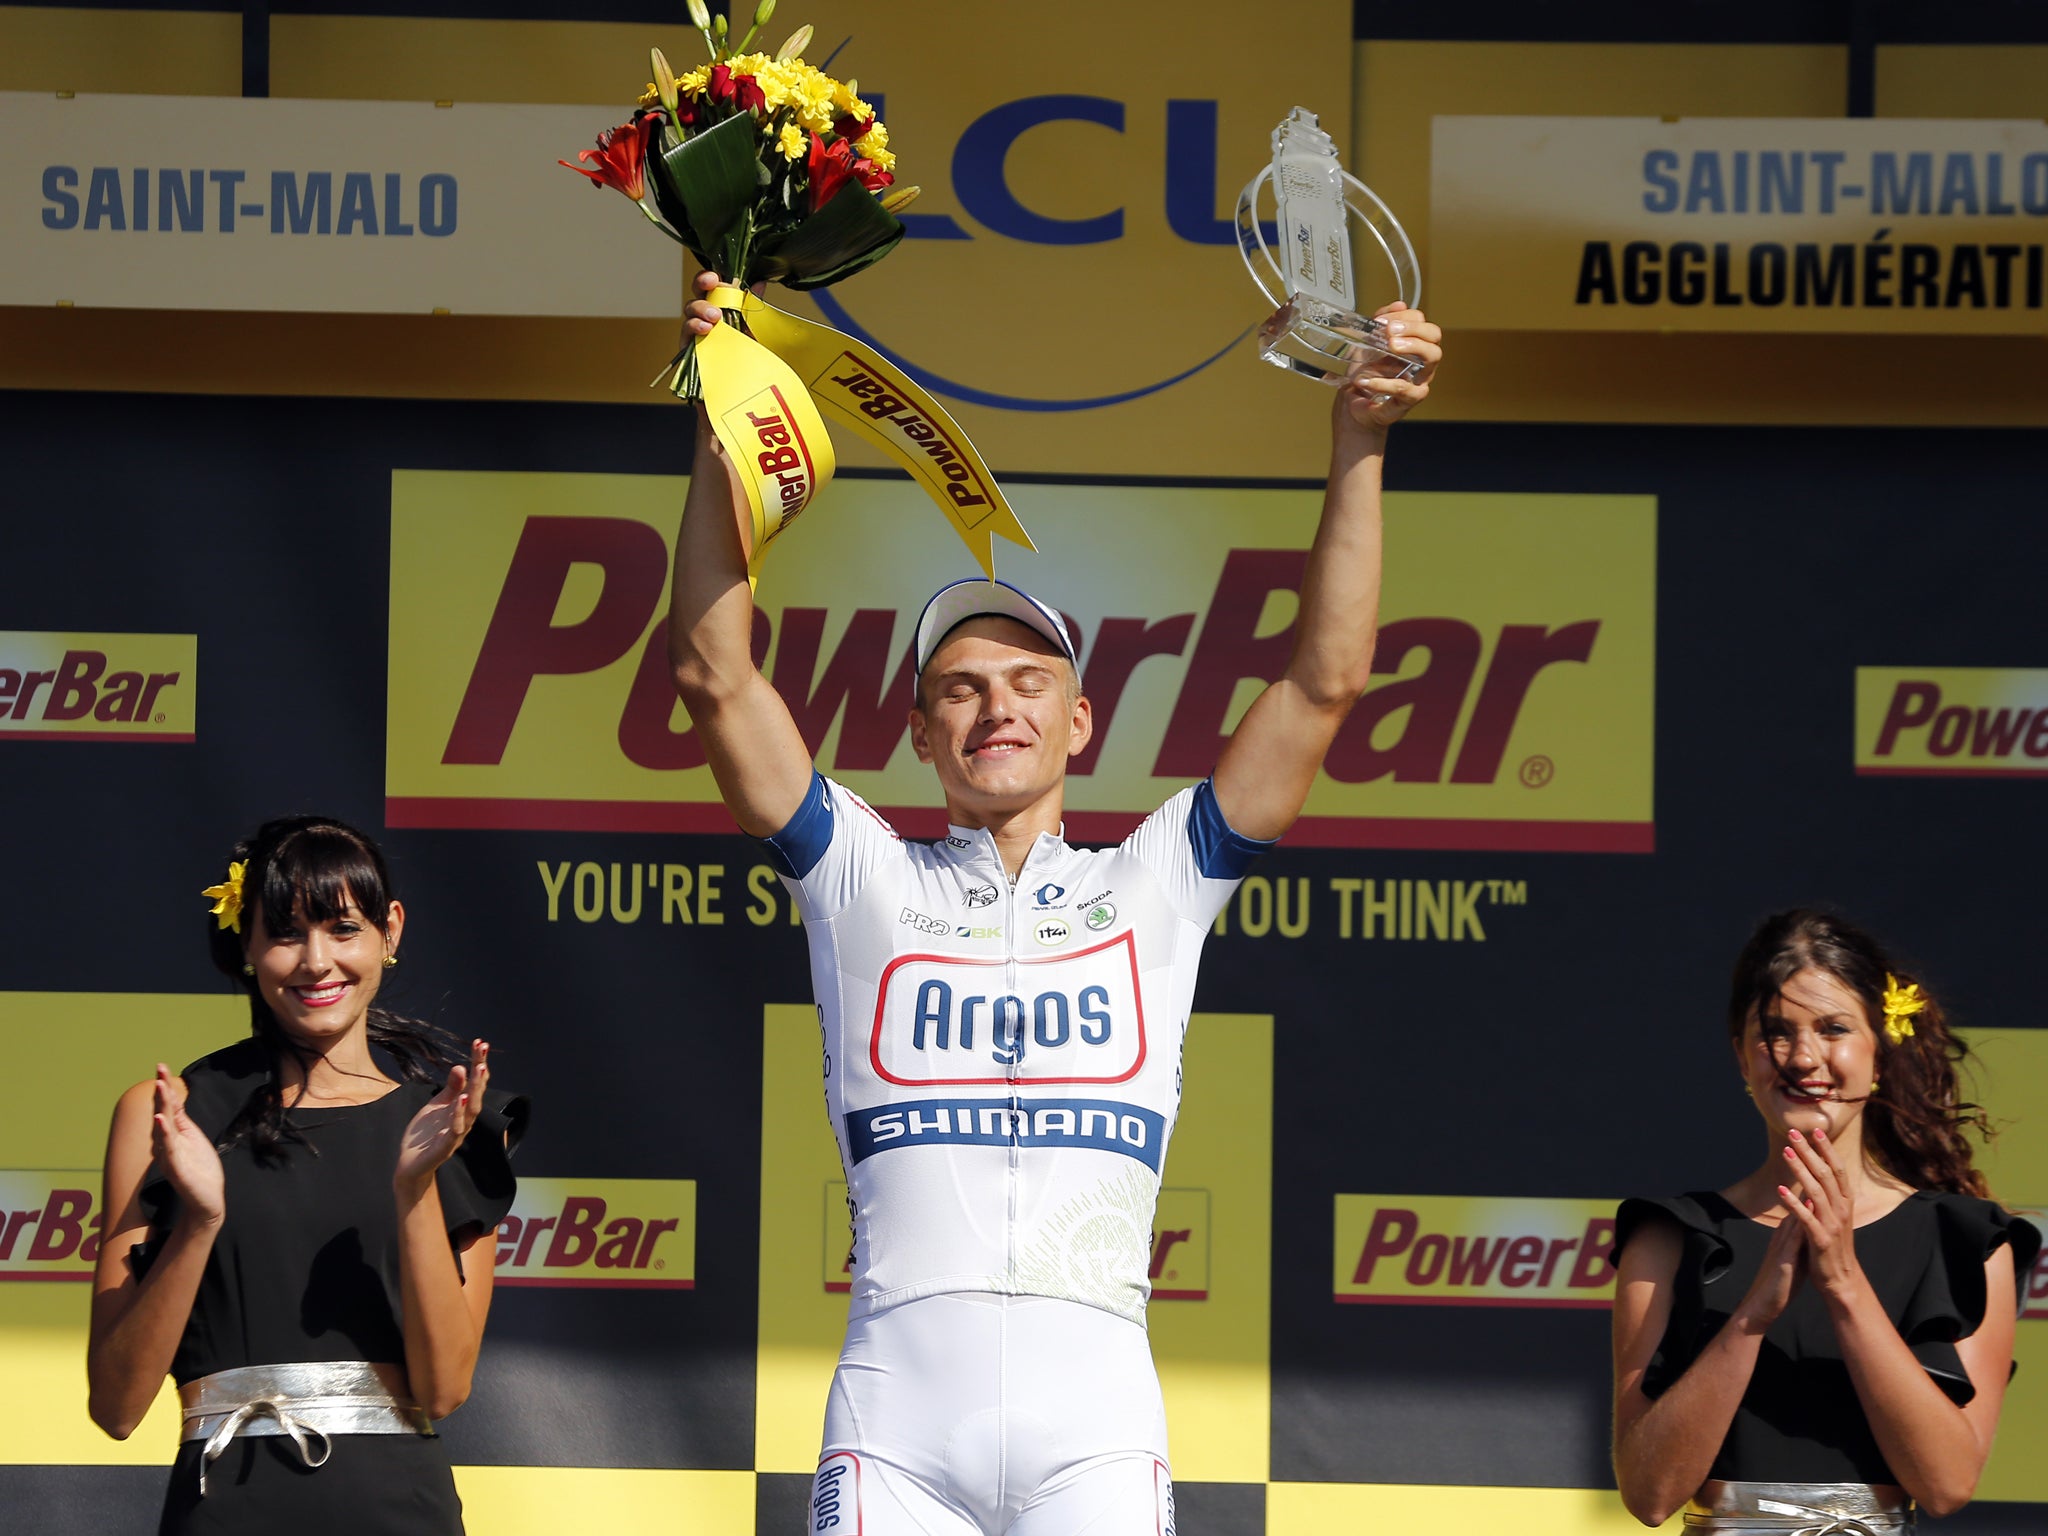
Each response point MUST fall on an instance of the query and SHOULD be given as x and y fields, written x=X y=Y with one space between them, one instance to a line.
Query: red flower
x=829 y=165
x=832 y=165
x=620 y=157
x=743 y=91
x=853 y=129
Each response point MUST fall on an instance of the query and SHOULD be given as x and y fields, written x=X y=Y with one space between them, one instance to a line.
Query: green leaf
x=850 y=232
x=707 y=182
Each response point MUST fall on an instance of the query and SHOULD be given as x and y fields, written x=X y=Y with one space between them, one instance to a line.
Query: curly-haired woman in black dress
x=1825 y=1342
x=301 y=1228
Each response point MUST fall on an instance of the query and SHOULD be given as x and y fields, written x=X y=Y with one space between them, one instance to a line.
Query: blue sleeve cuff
x=796 y=849
x=1220 y=853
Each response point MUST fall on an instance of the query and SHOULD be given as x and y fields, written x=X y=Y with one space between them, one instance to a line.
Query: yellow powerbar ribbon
x=764 y=392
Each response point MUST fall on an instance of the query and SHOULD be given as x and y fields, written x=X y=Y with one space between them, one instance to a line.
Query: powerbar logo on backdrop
x=601 y=1232
x=49 y=1223
x=1952 y=722
x=78 y=687
x=2034 y=1287
x=1180 y=1244
x=1510 y=707
x=1438 y=1250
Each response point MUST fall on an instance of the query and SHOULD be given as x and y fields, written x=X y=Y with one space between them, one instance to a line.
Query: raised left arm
x=1272 y=759
x=443 y=1306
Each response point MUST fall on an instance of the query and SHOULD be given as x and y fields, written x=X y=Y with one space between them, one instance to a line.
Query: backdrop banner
x=1434 y=1039
x=1740 y=224
x=201 y=202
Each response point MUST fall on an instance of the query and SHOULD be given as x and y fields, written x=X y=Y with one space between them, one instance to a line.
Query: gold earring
x=248 y=969
x=390 y=961
x=1873 y=1085
x=1749 y=1091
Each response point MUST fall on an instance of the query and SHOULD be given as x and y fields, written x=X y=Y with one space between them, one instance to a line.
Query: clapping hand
x=1821 y=1206
x=1779 y=1276
x=444 y=1120
x=187 y=1158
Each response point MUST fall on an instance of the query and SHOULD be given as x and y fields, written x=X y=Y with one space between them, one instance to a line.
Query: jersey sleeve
x=830 y=848
x=1194 y=852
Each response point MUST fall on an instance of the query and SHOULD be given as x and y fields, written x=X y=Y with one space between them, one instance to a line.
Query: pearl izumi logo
x=1952 y=722
x=639 y=1233
x=78 y=687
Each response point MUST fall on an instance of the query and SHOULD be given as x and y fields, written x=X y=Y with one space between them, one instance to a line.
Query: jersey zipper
x=1015 y=1104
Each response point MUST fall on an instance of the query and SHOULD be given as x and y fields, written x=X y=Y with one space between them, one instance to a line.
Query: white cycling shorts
x=976 y=1414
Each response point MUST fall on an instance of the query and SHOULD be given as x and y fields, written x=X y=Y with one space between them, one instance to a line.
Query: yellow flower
x=693 y=83
x=227 y=898
x=649 y=97
x=793 y=142
x=1900 y=1004
x=874 y=146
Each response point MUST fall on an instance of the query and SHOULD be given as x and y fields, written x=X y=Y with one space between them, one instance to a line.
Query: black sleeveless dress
x=1800 y=1420
x=305 y=1268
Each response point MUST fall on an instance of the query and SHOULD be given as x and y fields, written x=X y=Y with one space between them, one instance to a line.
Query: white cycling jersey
x=1002 y=1058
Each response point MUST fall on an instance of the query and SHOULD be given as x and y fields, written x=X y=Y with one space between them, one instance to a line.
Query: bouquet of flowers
x=764 y=167
x=769 y=170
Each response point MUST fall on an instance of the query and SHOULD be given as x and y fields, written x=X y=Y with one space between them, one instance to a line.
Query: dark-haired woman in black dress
x=1825 y=1343
x=302 y=1226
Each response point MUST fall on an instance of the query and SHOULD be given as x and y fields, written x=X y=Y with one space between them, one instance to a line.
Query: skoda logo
x=1100 y=916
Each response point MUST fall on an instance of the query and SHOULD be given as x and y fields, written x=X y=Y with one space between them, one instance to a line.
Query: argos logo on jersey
x=950 y=1020
x=639 y=1233
x=49 y=1227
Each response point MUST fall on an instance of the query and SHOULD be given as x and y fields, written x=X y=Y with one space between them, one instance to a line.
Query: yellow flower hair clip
x=1900 y=1004
x=227 y=898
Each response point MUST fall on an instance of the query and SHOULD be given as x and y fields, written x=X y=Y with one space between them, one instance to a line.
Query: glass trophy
x=1311 y=275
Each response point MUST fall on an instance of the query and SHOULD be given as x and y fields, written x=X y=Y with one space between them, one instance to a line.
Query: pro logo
x=936 y=927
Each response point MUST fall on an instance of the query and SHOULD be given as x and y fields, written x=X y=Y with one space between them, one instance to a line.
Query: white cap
x=959 y=601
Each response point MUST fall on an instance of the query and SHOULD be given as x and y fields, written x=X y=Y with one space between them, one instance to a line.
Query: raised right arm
x=138 y=1321
x=756 y=753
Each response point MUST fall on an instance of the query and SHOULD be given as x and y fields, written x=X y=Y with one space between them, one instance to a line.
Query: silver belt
x=310 y=1402
x=1800 y=1509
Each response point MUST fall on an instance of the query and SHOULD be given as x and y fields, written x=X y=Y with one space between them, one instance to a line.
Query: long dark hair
x=1915 y=1121
x=308 y=869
